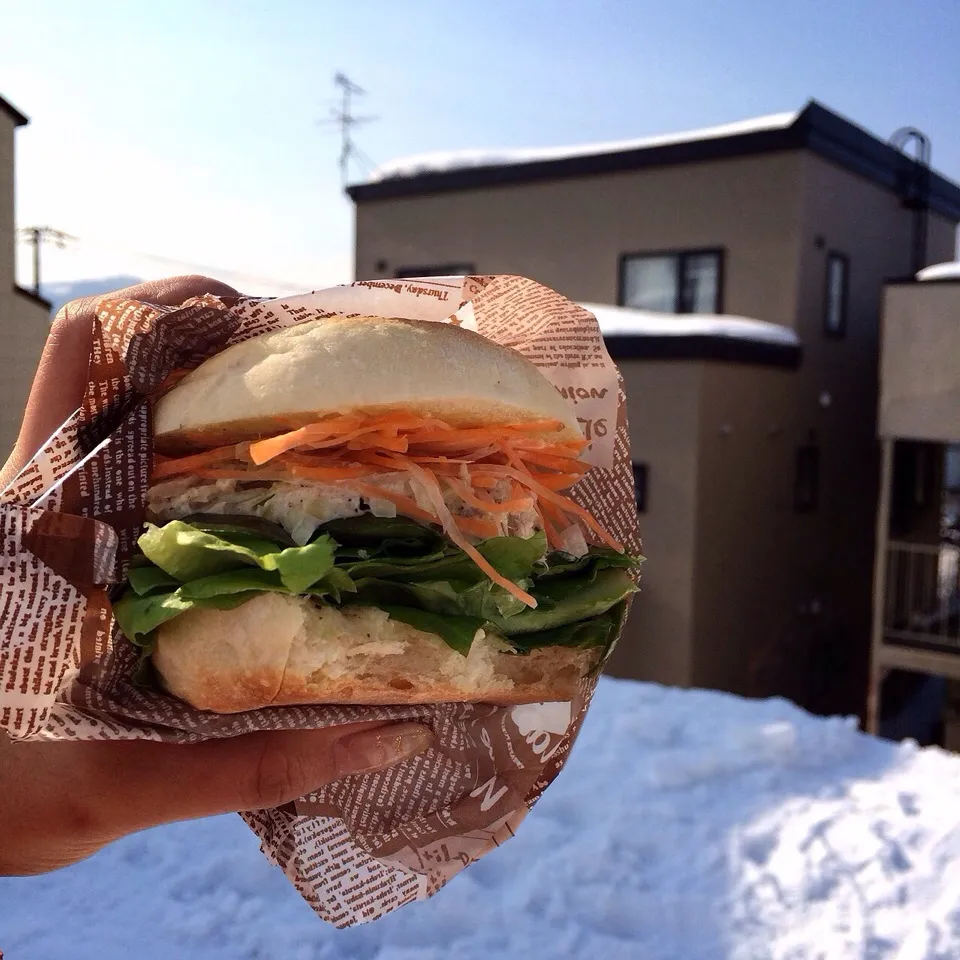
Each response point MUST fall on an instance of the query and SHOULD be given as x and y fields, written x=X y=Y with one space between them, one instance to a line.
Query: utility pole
x=343 y=117
x=36 y=237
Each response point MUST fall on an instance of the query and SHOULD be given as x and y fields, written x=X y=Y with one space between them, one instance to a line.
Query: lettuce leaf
x=392 y=563
x=484 y=600
x=598 y=558
x=147 y=578
x=514 y=557
x=568 y=600
x=367 y=536
x=457 y=632
x=187 y=553
x=138 y=616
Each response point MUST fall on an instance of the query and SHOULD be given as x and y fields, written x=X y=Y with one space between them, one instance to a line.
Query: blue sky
x=188 y=128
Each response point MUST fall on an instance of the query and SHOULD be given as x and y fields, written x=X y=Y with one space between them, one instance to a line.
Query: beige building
x=916 y=626
x=24 y=316
x=759 y=460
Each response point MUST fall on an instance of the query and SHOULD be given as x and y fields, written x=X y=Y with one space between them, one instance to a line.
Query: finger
x=61 y=377
x=153 y=783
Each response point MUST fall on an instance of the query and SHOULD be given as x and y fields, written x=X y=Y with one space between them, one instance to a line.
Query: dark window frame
x=840 y=331
x=806 y=478
x=681 y=255
x=641 y=485
x=437 y=270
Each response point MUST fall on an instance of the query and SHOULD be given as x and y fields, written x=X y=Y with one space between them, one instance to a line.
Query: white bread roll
x=296 y=375
x=277 y=649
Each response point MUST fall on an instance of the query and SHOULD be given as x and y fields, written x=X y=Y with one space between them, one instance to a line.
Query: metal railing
x=922 y=595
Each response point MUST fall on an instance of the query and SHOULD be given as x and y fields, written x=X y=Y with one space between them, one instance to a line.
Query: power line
x=62 y=239
x=36 y=237
x=345 y=119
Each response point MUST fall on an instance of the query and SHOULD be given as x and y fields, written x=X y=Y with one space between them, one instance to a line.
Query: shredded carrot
x=563 y=464
x=478 y=526
x=170 y=467
x=264 y=450
x=467 y=495
x=565 y=503
x=375 y=441
x=449 y=525
x=553 y=481
x=345 y=472
x=553 y=534
x=483 y=482
x=536 y=425
x=375 y=458
x=240 y=473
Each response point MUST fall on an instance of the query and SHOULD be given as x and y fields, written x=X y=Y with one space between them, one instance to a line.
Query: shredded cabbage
x=301 y=507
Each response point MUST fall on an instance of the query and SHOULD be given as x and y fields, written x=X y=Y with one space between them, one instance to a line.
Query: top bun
x=290 y=377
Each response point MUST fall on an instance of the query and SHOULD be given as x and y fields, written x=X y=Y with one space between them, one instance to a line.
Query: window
x=835 y=301
x=951 y=468
x=688 y=281
x=640 y=486
x=806 y=479
x=441 y=270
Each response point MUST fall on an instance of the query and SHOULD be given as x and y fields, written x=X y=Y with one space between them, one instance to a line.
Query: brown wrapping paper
x=362 y=847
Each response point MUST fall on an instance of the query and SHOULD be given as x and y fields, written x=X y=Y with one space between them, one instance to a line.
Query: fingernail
x=382 y=747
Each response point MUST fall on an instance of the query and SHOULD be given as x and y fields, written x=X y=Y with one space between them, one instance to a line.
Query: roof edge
x=817 y=128
x=637 y=158
x=706 y=347
x=19 y=119
x=914 y=282
x=30 y=295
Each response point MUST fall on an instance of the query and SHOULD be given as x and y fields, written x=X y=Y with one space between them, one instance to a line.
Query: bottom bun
x=277 y=649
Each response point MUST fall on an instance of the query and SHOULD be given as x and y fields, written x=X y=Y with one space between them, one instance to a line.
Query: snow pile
x=941 y=271
x=688 y=825
x=627 y=322
x=442 y=161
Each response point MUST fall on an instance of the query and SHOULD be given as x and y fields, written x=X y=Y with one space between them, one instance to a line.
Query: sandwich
x=363 y=510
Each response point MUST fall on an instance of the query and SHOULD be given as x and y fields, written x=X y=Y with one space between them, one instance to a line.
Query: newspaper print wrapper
x=364 y=846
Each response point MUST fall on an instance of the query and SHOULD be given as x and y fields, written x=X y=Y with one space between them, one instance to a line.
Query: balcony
x=921 y=604
x=919 y=371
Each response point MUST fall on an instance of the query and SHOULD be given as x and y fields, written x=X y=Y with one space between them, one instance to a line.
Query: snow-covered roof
x=941 y=271
x=627 y=322
x=441 y=161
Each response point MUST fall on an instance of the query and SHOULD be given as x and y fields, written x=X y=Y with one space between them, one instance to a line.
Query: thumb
x=161 y=783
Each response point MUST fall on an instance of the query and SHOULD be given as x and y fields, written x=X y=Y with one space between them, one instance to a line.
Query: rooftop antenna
x=343 y=116
x=36 y=237
x=913 y=185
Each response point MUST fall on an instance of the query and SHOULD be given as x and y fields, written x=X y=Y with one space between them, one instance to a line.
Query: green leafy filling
x=409 y=571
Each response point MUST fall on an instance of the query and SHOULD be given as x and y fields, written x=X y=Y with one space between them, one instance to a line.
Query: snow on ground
x=688 y=825
x=941 y=271
x=627 y=322
x=441 y=161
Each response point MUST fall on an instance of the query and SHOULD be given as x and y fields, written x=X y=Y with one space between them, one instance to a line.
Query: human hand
x=62 y=801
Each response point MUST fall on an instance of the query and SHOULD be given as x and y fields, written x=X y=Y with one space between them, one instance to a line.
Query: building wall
x=7 y=233
x=663 y=404
x=24 y=325
x=920 y=366
x=569 y=234
x=24 y=321
x=848 y=214
x=751 y=569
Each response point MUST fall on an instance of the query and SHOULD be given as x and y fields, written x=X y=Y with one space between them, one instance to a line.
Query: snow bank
x=442 y=161
x=941 y=271
x=688 y=825
x=626 y=322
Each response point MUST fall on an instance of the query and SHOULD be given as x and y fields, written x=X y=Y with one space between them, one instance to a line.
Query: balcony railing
x=922 y=596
